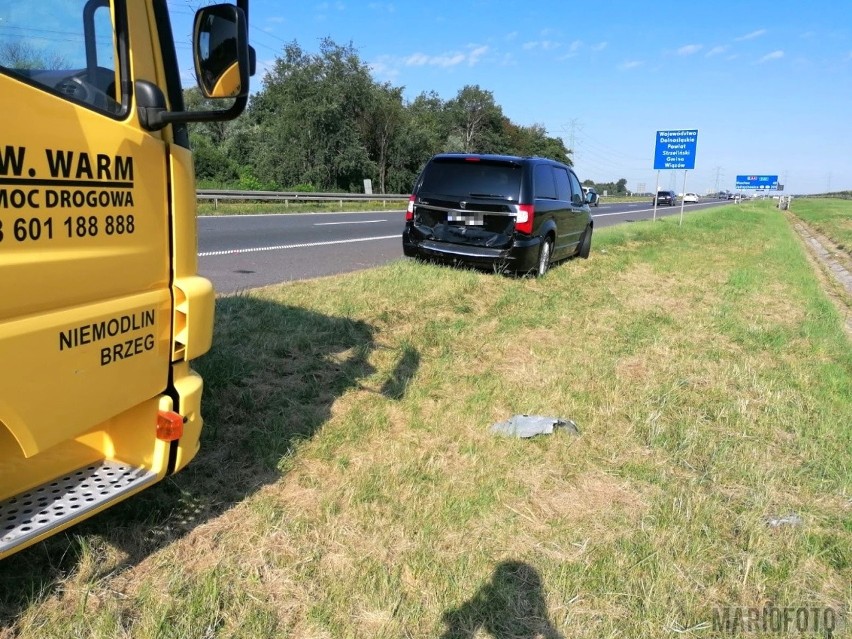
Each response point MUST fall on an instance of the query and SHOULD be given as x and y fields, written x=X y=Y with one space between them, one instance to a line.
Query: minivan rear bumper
x=522 y=256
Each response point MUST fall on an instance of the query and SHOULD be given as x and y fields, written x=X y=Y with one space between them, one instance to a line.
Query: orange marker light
x=169 y=426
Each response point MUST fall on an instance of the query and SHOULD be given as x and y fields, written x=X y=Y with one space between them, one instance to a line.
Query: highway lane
x=234 y=233
x=245 y=251
x=611 y=214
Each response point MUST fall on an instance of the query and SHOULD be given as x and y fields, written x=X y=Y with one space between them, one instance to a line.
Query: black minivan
x=499 y=211
x=666 y=197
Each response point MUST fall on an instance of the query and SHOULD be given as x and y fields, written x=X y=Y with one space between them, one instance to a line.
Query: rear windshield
x=464 y=178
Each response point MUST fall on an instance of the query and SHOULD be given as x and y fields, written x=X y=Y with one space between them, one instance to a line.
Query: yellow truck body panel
x=101 y=306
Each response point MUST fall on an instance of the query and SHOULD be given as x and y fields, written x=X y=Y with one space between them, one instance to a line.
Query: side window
x=576 y=189
x=545 y=187
x=66 y=46
x=563 y=185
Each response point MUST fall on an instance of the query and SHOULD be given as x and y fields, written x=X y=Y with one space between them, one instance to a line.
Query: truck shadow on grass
x=270 y=381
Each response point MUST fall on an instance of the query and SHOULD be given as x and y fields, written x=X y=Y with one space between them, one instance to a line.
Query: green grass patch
x=830 y=216
x=348 y=485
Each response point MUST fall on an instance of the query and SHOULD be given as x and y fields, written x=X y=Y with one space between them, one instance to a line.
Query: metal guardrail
x=295 y=196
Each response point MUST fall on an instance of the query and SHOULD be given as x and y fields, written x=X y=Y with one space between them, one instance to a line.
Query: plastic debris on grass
x=787 y=520
x=524 y=426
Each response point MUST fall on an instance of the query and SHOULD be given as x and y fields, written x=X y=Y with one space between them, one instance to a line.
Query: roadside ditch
x=833 y=266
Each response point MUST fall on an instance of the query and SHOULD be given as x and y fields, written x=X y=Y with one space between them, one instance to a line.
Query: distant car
x=497 y=211
x=592 y=197
x=732 y=196
x=690 y=198
x=666 y=197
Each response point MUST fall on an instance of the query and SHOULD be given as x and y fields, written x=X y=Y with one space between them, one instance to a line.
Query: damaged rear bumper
x=521 y=256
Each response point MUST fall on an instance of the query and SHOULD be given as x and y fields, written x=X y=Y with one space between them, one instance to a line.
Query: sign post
x=656 y=190
x=674 y=150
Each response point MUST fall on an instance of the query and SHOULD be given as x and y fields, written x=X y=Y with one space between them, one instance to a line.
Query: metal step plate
x=66 y=498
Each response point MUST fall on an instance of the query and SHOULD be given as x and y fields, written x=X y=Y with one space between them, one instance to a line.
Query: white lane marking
x=385 y=212
x=292 y=246
x=356 y=222
x=621 y=213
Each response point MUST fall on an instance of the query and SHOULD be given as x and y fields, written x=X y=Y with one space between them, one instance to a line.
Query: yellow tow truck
x=101 y=306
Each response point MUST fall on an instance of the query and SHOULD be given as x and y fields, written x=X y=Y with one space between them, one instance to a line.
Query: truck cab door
x=85 y=298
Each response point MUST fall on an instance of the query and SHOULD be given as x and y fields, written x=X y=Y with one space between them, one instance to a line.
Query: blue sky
x=767 y=84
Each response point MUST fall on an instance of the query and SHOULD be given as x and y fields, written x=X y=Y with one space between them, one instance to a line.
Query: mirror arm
x=168 y=117
x=153 y=114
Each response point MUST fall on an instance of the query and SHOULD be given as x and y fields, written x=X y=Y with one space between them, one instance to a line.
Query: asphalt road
x=245 y=251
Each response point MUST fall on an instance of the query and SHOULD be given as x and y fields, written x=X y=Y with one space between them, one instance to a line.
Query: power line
x=718 y=173
x=588 y=140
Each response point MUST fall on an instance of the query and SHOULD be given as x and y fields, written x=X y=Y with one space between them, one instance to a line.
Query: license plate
x=468 y=219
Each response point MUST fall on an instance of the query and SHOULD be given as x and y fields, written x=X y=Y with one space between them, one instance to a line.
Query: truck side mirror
x=223 y=63
x=221 y=51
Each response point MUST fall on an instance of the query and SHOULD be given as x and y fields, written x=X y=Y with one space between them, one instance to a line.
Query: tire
x=544 y=255
x=586 y=243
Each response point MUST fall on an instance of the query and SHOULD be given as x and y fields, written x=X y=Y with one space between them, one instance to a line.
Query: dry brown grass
x=707 y=383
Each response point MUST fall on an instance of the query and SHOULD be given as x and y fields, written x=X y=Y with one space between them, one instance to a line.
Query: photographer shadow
x=510 y=606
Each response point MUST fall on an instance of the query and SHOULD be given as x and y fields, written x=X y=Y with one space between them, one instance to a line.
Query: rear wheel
x=544 y=256
x=586 y=243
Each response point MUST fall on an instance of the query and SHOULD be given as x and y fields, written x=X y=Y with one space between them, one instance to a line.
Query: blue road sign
x=675 y=149
x=757 y=182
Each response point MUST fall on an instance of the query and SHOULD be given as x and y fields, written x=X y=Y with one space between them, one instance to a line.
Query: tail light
x=409 y=212
x=524 y=218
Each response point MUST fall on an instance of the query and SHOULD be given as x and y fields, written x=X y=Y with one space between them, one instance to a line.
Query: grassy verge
x=348 y=485
x=831 y=217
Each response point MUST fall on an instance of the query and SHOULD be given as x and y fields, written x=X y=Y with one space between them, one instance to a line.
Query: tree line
x=322 y=123
x=610 y=188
